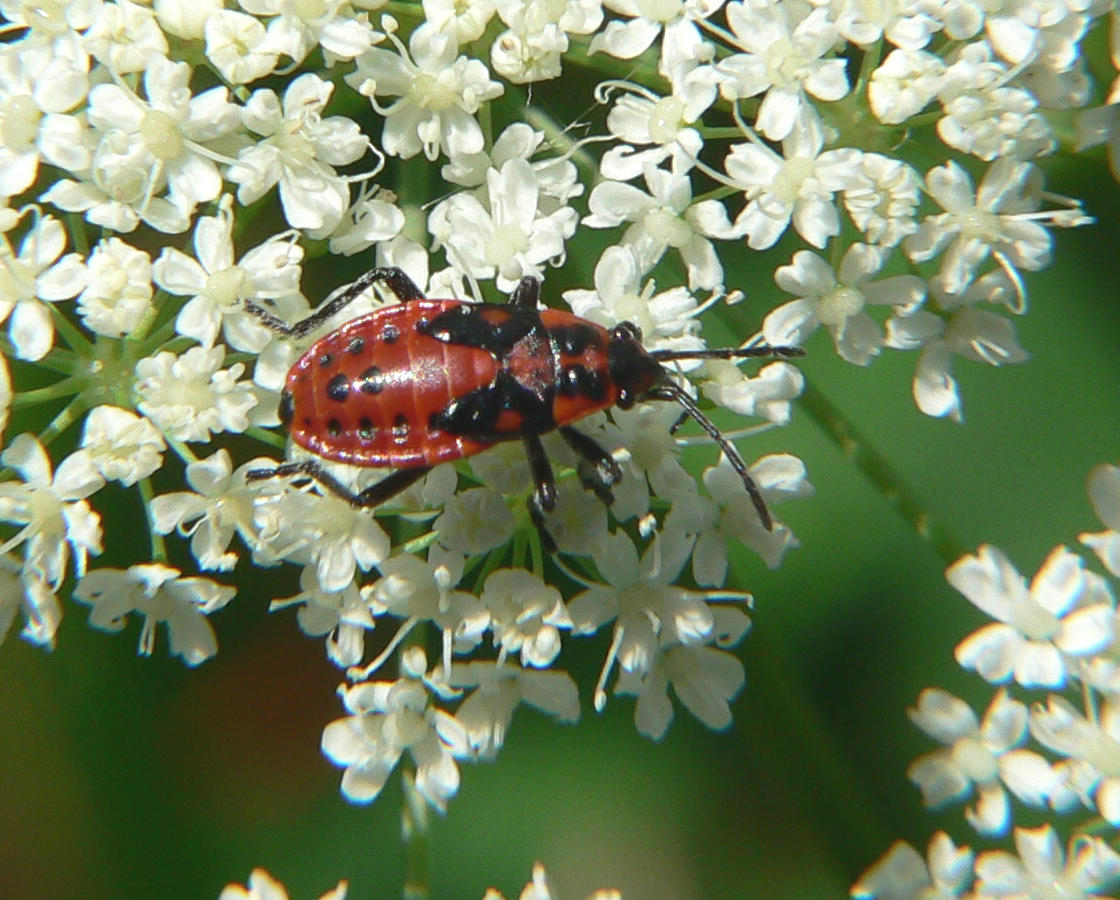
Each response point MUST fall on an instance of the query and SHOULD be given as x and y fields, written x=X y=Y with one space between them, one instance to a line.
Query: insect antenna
x=672 y=392
x=728 y=353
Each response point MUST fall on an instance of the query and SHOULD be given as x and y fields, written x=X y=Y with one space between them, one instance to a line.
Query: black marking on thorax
x=526 y=380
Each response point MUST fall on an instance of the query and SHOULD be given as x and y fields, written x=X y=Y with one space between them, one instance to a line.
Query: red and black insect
x=428 y=381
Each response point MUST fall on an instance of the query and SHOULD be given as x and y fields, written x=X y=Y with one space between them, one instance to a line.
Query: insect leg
x=543 y=498
x=678 y=395
x=387 y=488
x=394 y=278
x=545 y=491
x=596 y=468
x=527 y=293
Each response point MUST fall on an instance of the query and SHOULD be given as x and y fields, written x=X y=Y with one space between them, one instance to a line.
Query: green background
x=123 y=776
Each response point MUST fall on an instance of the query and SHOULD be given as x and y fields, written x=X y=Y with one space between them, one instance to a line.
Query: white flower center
x=659 y=10
x=507 y=240
x=224 y=287
x=975 y=760
x=295 y=150
x=428 y=92
x=161 y=134
x=665 y=120
x=783 y=62
x=839 y=305
x=21 y=123
x=794 y=173
x=1033 y=621
x=633 y=308
x=666 y=227
x=310 y=9
x=978 y=223
x=543 y=13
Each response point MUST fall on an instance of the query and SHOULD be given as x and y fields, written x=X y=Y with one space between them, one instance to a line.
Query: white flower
x=475 y=521
x=797 y=186
x=667 y=319
x=185 y=18
x=526 y=615
x=1104 y=495
x=344 y=616
x=1091 y=769
x=540 y=889
x=124 y=36
x=704 y=679
x=650 y=615
x=115 y=190
x=1066 y=612
x=838 y=300
x=372 y=219
x=157 y=594
x=32 y=278
x=883 y=198
x=316 y=529
x=728 y=513
x=237 y=45
x=465 y=22
x=439 y=94
x=681 y=43
x=220 y=505
x=974 y=334
x=663 y=218
x=118 y=288
x=556 y=177
x=173 y=128
x=504 y=235
x=190 y=396
x=985 y=116
x=299 y=151
x=29 y=594
x=122 y=446
x=51 y=509
x=499 y=689
x=903 y=84
x=38 y=86
x=902 y=22
x=766 y=394
x=537 y=36
x=418 y=591
x=296 y=29
x=388 y=718
x=1041 y=869
x=902 y=874
x=220 y=287
x=262 y=886
x=640 y=117
x=783 y=55
x=997 y=219
x=976 y=754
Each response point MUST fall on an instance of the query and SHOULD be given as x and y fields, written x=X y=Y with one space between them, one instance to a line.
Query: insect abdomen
x=367 y=393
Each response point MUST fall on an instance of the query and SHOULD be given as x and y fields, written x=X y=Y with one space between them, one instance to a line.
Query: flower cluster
x=263 y=886
x=1057 y=637
x=744 y=126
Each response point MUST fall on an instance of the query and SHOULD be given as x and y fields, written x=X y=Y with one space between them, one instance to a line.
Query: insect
x=424 y=381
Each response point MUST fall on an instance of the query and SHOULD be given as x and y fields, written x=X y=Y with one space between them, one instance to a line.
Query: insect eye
x=626 y=331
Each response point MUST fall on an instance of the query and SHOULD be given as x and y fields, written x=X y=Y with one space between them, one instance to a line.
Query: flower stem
x=880 y=473
x=414 y=836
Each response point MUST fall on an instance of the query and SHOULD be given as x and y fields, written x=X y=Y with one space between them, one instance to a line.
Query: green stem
x=880 y=473
x=63 y=388
x=67 y=417
x=414 y=837
x=159 y=548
